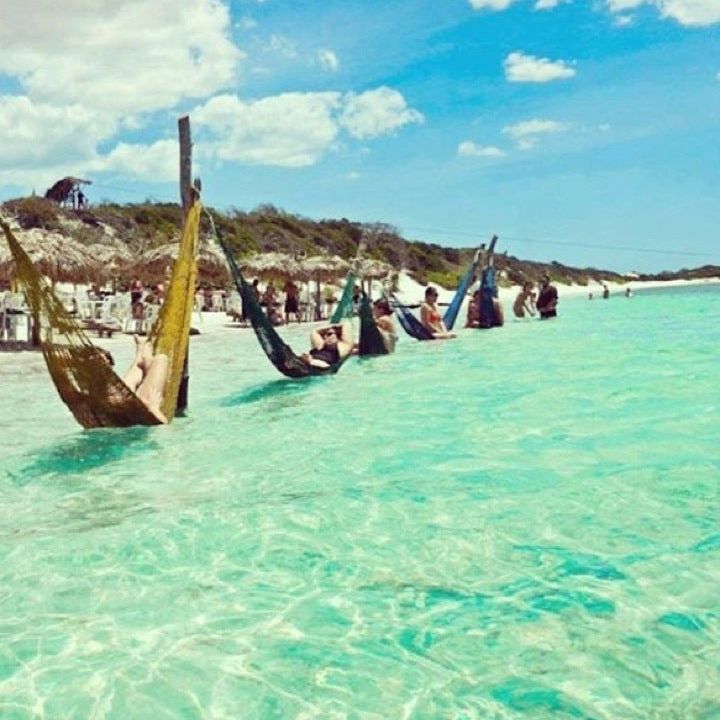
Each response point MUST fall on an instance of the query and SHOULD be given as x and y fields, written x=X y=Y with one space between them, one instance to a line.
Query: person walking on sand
x=524 y=301
x=547 y=299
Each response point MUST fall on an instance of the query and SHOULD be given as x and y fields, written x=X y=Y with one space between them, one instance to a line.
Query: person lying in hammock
x=431 y=318
x=383 y=319
x=147 y=377
x=330 y=344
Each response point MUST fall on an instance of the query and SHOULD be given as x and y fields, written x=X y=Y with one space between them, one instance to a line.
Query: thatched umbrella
x=155 y=264
x=272 y=265
x=111 y=258
x=57 y=257
x=323 y=268
x=373 y=269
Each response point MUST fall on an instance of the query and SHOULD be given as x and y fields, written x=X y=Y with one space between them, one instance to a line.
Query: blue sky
x=584 y=132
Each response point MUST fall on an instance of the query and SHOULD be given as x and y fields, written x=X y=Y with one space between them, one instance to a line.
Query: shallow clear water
x=521 y=523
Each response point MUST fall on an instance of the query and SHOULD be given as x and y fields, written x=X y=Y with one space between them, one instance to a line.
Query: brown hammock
x=84 y=379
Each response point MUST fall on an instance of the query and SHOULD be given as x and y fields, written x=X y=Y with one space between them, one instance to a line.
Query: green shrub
x=34 y=212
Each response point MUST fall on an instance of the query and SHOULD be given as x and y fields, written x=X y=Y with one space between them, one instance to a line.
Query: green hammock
x=371 y=339
x=344 y=309
x=278 y=352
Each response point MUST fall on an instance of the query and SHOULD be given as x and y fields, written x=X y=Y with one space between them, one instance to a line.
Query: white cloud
x=468 y=148
x=528 y=68
x=281 y=45
x=129 y=57
x=686 y=12
x=328 y=60
x=376 y=112
x=157 y=162
x=289 y=130
x=526 y=134
x=549 y=4
x=295 y=129
x=36 y=134
x=491 y=4
x=623 y=20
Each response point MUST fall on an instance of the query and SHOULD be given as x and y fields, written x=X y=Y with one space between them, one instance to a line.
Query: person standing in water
x=524 y=302
x=547 y=299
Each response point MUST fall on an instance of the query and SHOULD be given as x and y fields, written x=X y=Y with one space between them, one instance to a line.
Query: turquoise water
x=521 y=523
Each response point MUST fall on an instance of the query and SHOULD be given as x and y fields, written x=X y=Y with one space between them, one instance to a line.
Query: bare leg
x=134 y=375
x=152 y=388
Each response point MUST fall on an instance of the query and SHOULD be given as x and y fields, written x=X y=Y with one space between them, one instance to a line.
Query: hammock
x=454 y=308
x=410 y=324
x=345 y=306
x=371 y=339
x=278 y=352
x=87 y=384
x=488 y=288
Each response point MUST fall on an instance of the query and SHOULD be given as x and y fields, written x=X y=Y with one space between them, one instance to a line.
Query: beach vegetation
x=267 y=228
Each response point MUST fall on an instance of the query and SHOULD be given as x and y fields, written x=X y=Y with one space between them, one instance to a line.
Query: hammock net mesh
x=84 y=378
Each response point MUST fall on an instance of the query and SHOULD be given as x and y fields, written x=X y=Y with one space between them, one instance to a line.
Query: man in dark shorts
x=547 y=300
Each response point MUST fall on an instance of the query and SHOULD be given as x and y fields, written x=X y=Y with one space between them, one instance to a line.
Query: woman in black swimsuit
x=330 y=344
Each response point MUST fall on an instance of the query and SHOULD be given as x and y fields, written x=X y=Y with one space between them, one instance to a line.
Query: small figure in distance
x=383 y=319
x=291 y=300
x=628 y=292
x=330 y=344
x=547 y=299
x=606 y=291
x=330 y=300
x=590 y=296
x=147 y=377
x=524 y=301
x=255 y=287
x=431 y=318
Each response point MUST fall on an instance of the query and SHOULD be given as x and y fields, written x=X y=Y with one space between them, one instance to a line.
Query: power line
x=539 y=241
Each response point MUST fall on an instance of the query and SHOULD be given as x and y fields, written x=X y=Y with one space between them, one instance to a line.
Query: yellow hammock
x=85 y=381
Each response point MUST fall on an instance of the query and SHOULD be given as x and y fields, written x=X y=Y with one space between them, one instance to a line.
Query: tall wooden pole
x=187 y=199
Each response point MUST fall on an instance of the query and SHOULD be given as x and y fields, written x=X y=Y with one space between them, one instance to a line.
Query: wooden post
x=187 y=198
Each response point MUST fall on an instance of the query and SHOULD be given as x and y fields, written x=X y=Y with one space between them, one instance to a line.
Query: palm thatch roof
x=324 y=267
x=57 y=257
x=273 y=265
x=155 y=264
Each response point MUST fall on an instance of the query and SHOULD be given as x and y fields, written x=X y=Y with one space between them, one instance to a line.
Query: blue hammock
x=410 y=324
x=454 y=308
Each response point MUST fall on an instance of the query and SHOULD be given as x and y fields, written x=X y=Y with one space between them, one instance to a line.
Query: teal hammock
x=344 y=309
x=278 y=352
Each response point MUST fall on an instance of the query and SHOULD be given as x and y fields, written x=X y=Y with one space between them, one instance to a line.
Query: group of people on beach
x=332 y=343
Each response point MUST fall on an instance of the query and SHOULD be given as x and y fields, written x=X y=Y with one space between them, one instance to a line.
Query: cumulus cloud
x=290 y=130
x=35 y=134
x=295 y=129
x=328 y=60
x=157 y=162
x=130 y=57
x=376 y=112
x=491 y=4
x=686 y=12
x=530 y=69
x=526 y=134
x=468 y=148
